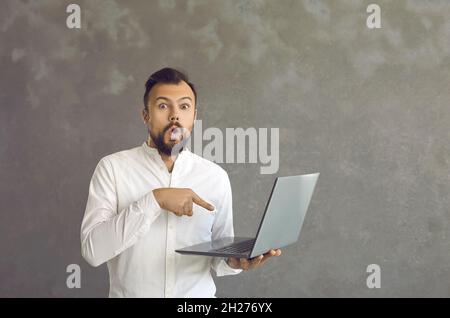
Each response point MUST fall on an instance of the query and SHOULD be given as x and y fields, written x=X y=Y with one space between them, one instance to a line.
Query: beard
x=167 y=148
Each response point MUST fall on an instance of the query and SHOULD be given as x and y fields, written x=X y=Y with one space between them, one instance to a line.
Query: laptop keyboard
x=237 y=248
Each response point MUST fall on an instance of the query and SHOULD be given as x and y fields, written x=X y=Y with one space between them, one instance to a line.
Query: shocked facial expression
x=170 y=115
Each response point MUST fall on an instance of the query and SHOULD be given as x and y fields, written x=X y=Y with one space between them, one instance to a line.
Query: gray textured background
x=369 y=109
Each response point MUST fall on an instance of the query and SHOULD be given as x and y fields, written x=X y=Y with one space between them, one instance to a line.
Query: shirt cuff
x=150 y=206
x=224 y=269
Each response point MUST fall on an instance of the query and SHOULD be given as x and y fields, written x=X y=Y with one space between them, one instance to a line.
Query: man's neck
x=169 y=161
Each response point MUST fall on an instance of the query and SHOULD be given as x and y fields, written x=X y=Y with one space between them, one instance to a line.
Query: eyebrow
x=168 y=99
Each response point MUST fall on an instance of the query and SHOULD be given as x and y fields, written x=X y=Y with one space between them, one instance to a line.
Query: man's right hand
x=179 y=201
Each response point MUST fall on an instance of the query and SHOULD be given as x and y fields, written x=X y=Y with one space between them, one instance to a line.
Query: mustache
x=171 y=125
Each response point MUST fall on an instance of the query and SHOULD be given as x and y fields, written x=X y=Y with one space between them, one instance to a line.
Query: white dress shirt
x=124 y=225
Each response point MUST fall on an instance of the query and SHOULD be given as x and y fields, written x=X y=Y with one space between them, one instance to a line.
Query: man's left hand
x=246 y=264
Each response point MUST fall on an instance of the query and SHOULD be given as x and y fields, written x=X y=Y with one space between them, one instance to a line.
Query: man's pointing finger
x=201 y=202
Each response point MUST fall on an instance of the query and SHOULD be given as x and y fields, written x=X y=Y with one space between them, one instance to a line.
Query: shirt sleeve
x=223 y=227
x=106 y=232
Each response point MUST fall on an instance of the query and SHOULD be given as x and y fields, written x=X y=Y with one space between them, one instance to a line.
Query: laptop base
x=216 y=248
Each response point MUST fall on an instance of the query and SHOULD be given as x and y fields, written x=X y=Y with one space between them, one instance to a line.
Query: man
x=146 y=202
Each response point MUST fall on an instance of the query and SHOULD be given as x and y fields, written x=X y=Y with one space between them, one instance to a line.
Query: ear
x=145 y=115
x=195 y=114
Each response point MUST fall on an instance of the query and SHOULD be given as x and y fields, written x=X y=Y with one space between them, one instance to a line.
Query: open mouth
x=176 y=133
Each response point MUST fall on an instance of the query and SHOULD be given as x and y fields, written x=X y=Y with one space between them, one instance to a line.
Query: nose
x=174 y=116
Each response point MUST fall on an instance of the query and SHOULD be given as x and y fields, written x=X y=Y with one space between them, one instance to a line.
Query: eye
x=185 y=106
x=162 y=106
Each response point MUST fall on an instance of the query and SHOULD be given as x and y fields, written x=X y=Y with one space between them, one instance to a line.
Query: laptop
x=280 y=225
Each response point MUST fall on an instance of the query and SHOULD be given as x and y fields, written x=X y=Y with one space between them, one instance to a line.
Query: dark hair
x=166 y=75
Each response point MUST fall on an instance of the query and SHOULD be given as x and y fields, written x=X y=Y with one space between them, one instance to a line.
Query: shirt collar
x=150 y=150
x=154 y=154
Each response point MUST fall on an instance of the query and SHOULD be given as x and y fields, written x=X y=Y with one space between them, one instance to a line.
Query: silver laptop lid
x=285 y=212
